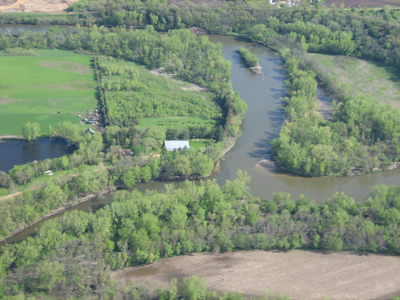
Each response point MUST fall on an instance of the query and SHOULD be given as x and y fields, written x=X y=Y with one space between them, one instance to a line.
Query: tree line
x=140 y=228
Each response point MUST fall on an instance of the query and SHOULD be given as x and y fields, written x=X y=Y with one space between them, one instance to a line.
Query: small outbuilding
x=90 y=130
x=177 y=145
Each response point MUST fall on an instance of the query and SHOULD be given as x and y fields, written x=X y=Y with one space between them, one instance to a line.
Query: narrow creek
x=264 y=118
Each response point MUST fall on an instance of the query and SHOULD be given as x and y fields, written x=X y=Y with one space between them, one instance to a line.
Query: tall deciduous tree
x=30 y=131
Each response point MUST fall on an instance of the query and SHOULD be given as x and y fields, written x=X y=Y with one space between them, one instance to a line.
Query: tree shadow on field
x=344 y=252
x=391 y=70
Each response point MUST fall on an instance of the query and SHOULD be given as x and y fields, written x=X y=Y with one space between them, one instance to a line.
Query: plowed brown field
x=34 y=5
x=299 y=274
x=367 y=3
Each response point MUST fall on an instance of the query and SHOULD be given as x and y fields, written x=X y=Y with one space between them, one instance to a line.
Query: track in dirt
x=299 y=274
x=35 y=5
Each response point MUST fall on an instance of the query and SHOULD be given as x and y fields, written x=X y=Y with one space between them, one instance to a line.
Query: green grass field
x=35 y=88
x=380 y=81
x=198 y=143
x=178 y=122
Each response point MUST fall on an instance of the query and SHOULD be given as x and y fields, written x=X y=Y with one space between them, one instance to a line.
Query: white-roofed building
x=177 y=145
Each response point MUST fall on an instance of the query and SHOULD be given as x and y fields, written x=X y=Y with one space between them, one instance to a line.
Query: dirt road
x=35 y=5
x=299 y=274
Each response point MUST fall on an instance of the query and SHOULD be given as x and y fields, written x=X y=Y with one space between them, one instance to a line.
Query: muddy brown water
x=264 y=118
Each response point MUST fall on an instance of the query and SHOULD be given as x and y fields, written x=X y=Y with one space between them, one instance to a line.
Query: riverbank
x=297 y=273
x=272 y=164
x=11 y=137
x=58 y=210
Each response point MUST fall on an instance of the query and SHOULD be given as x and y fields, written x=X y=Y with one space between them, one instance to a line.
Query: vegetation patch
x=380 y=81
x=132 y=92
x=36 y=91
x=179 y=122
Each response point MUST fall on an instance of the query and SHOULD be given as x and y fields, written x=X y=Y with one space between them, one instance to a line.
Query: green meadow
x=178 y=122
x=377 y=80
x=36 y=88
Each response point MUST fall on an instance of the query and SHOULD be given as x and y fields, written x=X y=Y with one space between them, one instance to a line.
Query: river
x=264 y=118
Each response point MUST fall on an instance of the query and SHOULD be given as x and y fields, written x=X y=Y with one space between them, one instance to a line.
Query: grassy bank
x=380 y=81
x=35 y=88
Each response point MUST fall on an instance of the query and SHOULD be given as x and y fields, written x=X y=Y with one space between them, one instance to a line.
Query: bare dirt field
x=299 y=274
x=367 y=3
x=34 y=5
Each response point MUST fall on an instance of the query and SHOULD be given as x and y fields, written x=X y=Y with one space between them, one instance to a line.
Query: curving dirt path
x=297 y=273
x=37 y=6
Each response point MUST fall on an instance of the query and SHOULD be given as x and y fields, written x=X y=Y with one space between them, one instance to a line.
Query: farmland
x=381 y=82
x=362 y=3
x=35 y=88
x=337 y=275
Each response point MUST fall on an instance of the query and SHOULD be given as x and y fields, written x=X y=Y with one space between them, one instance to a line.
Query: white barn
x=177 y=145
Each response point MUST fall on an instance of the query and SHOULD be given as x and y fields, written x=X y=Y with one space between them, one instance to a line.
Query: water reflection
x=16 y=152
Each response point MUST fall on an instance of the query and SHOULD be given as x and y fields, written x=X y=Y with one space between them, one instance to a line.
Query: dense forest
x=139 y=228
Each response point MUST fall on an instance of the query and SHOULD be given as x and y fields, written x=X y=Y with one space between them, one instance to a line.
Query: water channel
x=264 y=119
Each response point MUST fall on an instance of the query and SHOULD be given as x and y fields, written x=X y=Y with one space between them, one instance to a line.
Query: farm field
x=36 y=88
x=299 y=274
x=367 y=3
x=371 y=78
x=34 y=5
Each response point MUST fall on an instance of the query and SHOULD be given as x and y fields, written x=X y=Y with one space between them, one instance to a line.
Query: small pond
x=17 y=152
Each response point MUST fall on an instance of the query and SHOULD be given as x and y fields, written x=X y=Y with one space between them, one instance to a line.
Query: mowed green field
x=377 y=80
x=36 y=88
x=178 y=122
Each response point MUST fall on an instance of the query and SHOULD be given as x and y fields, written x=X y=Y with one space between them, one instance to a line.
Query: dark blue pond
x=15 y=152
